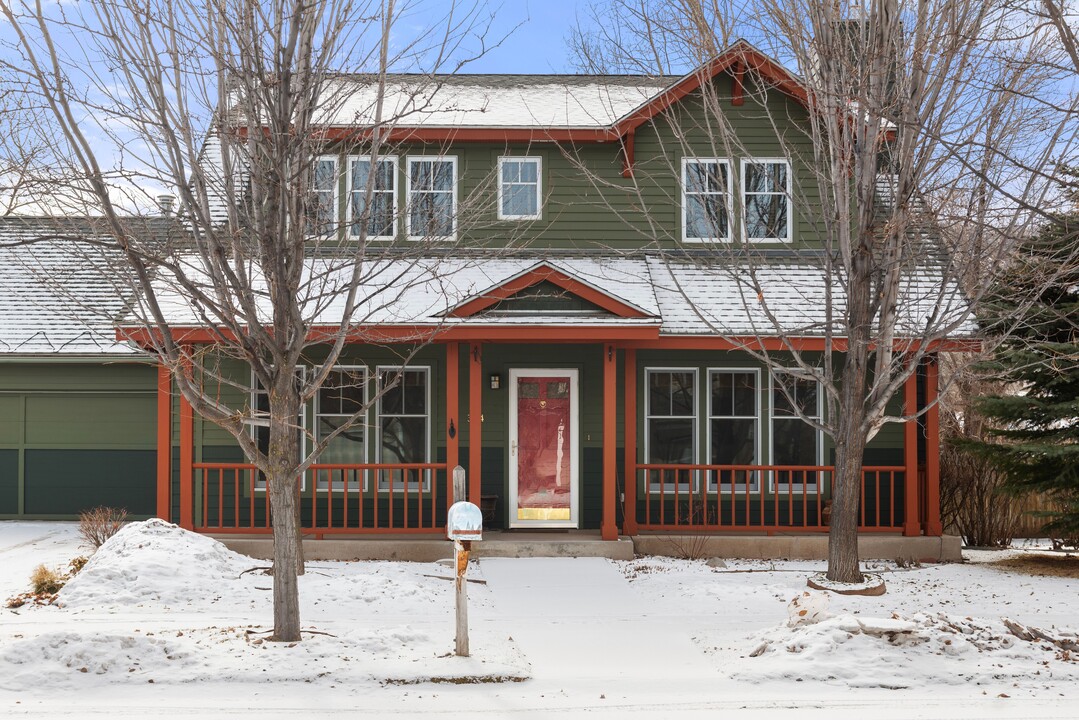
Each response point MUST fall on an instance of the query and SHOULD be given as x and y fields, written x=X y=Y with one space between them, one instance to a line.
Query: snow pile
x=901 y=651
x=154 y=562
x=401 y=655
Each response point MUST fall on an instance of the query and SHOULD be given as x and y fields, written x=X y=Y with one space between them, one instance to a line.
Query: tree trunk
x=284 y=507
x=850 y=435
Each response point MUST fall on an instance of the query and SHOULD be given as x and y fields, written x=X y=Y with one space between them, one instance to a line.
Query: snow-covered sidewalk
x=562 y=638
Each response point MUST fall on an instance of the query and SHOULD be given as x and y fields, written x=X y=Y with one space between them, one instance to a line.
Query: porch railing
x=759 y=498
x=333 y=499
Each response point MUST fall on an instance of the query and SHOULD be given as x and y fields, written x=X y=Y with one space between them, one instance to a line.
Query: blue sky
x=538 y=45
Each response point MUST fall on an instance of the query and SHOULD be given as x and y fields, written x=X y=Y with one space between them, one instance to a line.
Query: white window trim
x=678 y=486
x=336 y=160
x=539 y=186
x=301 y=372
x=409 y=160
x=396 y=195
x=726 y=198
x=317 y=413
x=393 y=485
x=746 y=162
x=781 y=487
x=754 y=485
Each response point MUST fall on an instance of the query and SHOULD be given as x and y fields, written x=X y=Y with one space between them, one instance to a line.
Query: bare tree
x=927 y=143
x=226 y=103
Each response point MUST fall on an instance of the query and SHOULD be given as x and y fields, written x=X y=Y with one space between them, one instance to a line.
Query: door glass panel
x=544 y=449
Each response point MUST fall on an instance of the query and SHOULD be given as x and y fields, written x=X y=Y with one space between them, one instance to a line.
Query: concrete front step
x=430 y=549
x=581 y=544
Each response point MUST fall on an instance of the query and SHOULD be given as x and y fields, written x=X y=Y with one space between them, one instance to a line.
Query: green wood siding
x=587 y=203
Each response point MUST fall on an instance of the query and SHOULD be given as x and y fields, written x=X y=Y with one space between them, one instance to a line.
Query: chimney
x=164 y=203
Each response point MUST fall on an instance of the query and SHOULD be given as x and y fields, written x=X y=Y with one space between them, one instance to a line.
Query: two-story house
x=590 y=335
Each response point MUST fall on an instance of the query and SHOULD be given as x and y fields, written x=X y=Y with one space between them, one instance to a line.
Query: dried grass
x=98 y=525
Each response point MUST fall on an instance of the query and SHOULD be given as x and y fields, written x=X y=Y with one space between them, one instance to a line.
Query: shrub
x=98 y=525
x=77 y=564
x=44 y=581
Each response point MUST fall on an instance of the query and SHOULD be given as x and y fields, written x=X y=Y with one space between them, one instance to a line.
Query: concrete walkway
x=581 y=619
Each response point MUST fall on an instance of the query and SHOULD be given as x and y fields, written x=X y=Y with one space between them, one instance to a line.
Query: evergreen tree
x=1038 y=311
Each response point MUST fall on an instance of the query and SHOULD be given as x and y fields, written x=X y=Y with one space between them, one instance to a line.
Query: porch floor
x=585 y=543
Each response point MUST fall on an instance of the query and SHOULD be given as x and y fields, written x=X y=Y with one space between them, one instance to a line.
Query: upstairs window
x=432 y=197
x=705 y=199
x=322 y=202
x=766 y=196
x=519 y=188
x=379 y=219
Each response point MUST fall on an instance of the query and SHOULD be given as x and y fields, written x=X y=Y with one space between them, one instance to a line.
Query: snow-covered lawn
x=162 y=621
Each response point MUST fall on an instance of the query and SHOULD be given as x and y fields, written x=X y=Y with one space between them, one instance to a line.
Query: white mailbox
x=464 y=521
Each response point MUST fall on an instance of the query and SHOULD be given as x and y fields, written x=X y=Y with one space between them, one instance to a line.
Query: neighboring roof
x=58 y=296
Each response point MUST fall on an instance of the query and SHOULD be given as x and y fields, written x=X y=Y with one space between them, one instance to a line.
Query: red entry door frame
x=544 y=445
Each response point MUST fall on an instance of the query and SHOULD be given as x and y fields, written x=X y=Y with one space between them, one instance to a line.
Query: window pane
x=404 y=440
x=431 y=215
x=670 y=441
x=346 y=448
x=442 y=176
x=804 y=393
x=794 y=443
x=519 y=200
x=511 y=171
x=766 y=177
x=766 y=216
x=722 y=394
x=682 y=394
x=527 y=389
x=529 y=171
x=392 y=400
x=325 y=175
x=706 y=177
x=659 y=393
x=342 y=393
x=415 y=387
x=706 y=216
x=734 y=442
x=745 y=394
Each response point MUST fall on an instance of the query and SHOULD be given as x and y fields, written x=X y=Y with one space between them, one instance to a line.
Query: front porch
x=381 y=501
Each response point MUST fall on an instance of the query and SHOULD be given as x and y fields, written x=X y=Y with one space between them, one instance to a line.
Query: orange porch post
x=187 y=460
x=609 y=525
x=911 y=523
x=475 y=421
x=629 y=509
x=932 y=450
x=453 y=422
x=164 y=442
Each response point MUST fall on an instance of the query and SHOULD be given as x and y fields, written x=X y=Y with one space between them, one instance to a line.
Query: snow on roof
x=463 y=101
x=57 y=296
x=681 y=297
x=789 y=297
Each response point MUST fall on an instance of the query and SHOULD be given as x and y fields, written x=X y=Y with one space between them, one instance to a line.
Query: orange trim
x=472 y=134
x=912 y=523
x=609 y=524
x=740 y=54
x=187 y=451
x=932 y=450
x=540 y=274
x=628 y=156
x=629 y=432
x=475 y=421
x=737 y=86
x=164 y=442
x=453 y=409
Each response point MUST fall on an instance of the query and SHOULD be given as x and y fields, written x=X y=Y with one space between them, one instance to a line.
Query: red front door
x=543 y=448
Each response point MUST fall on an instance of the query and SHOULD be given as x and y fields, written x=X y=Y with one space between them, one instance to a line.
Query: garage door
x=65 y=452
